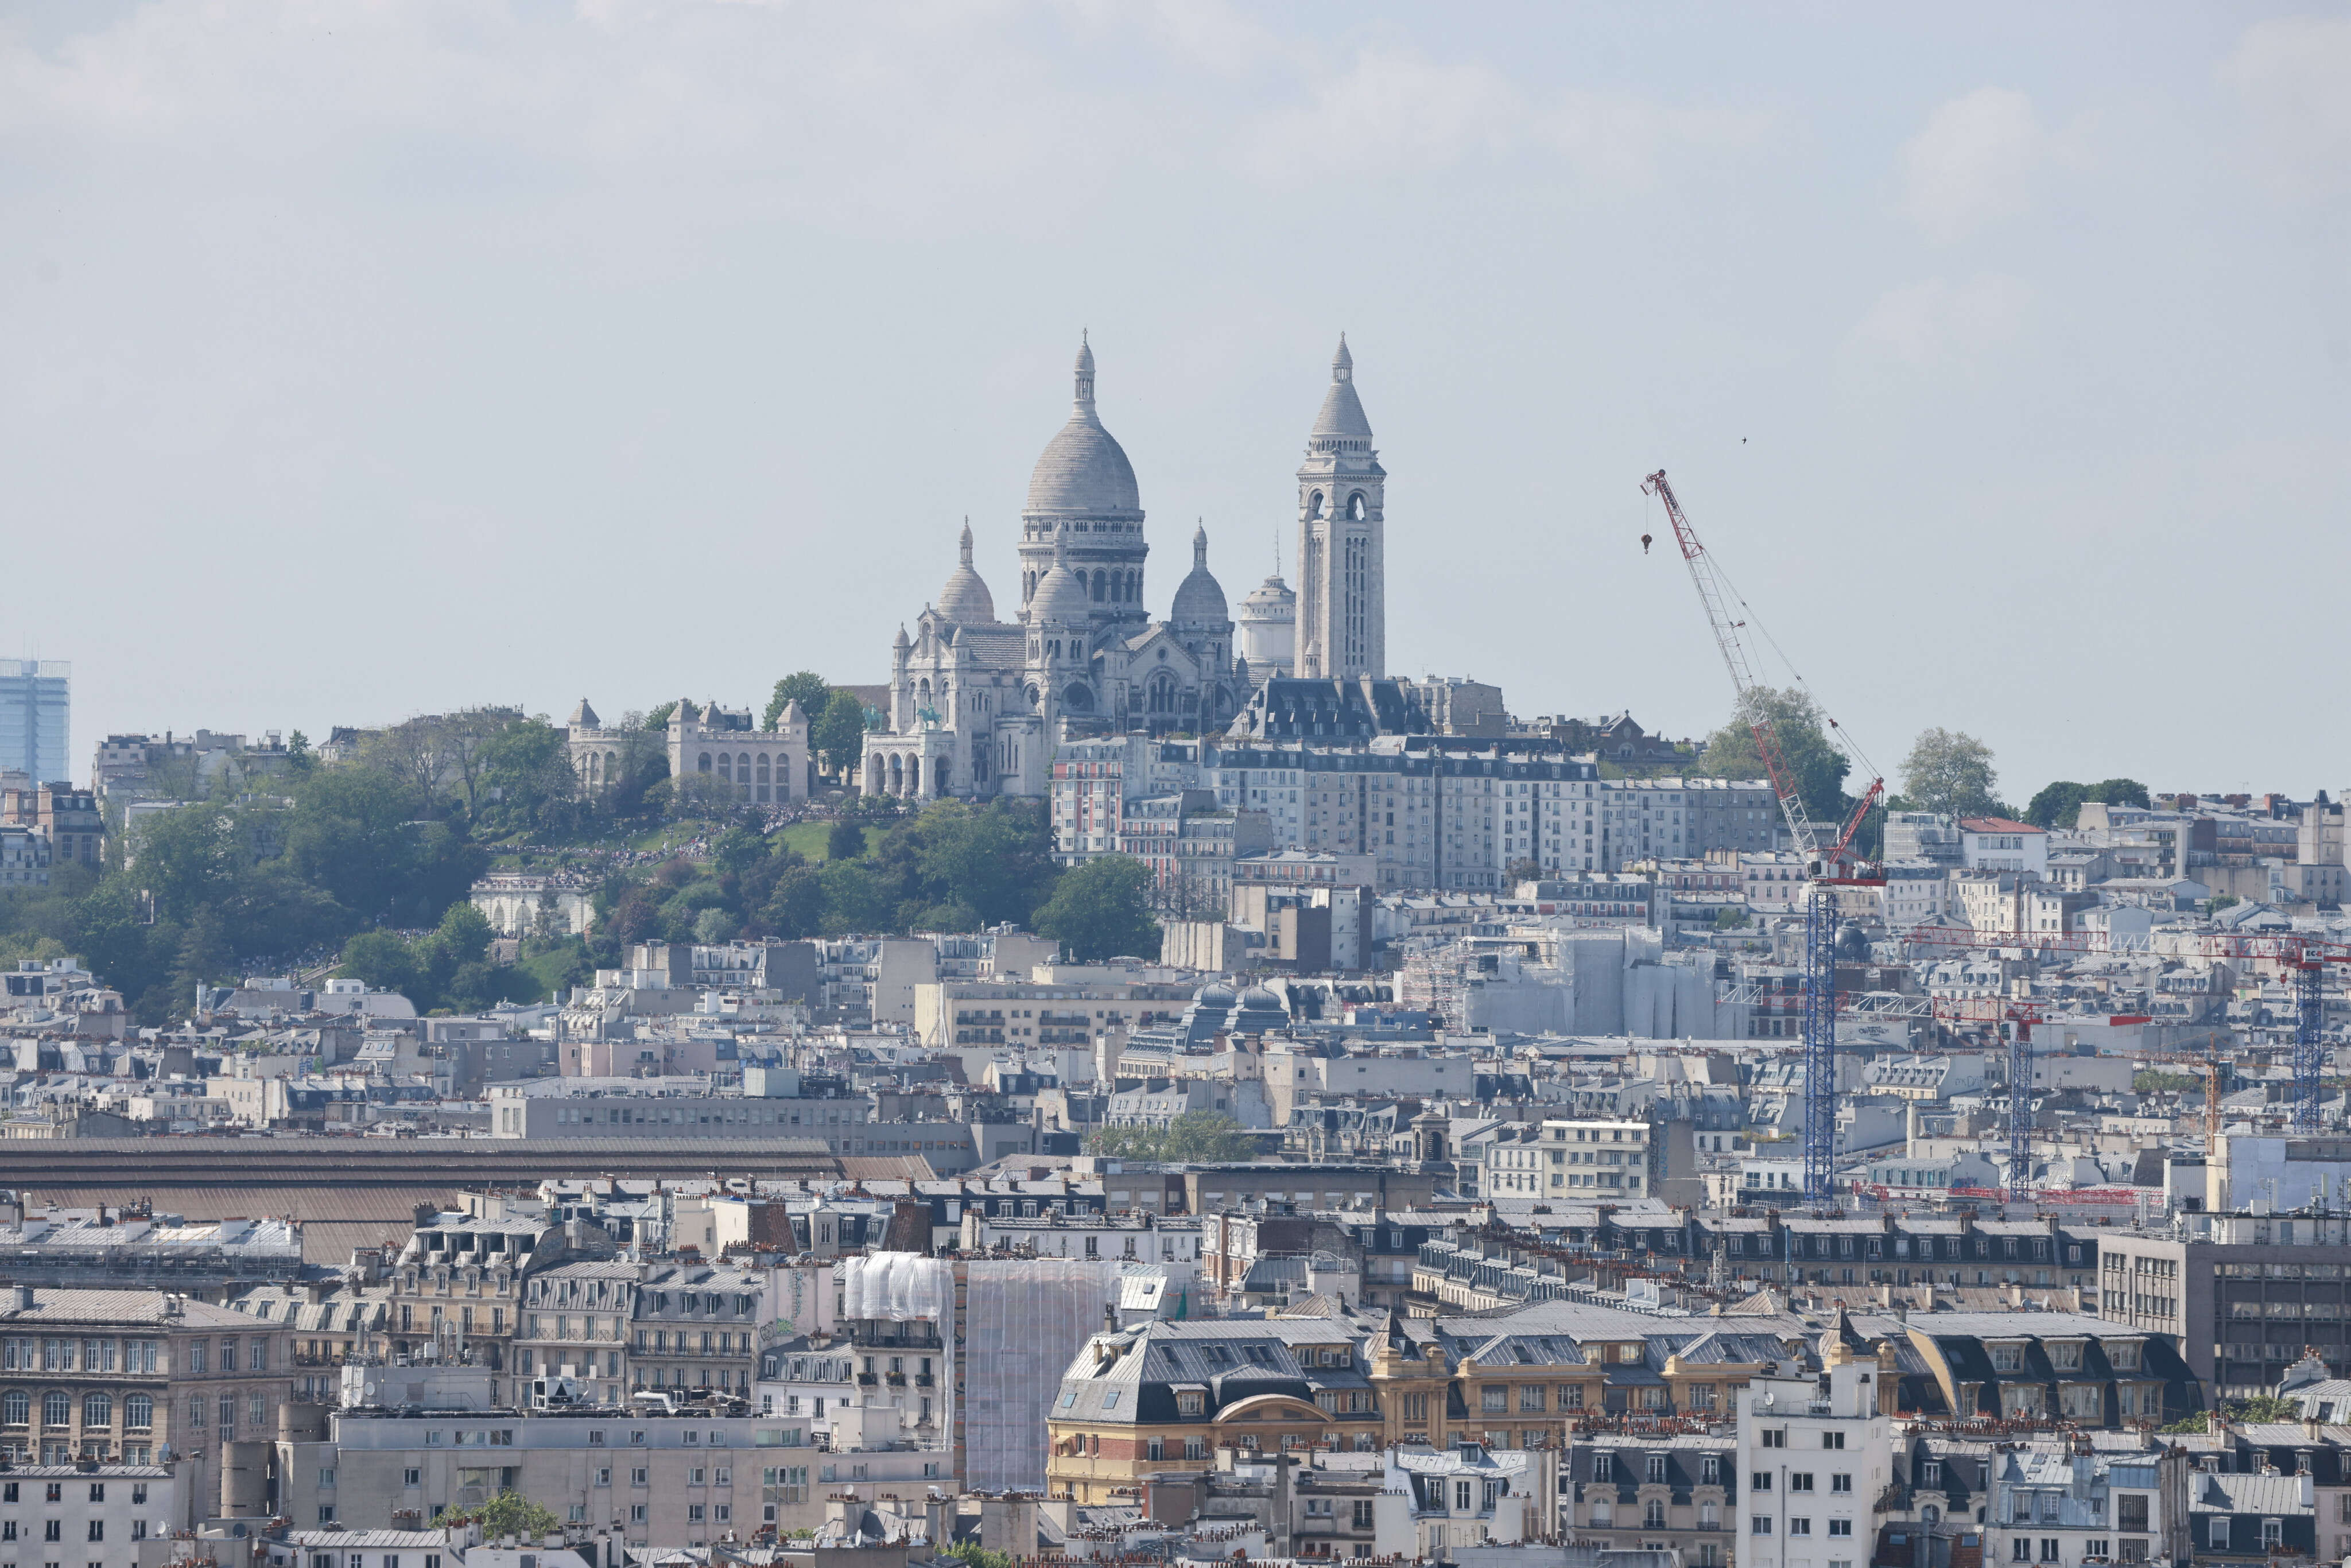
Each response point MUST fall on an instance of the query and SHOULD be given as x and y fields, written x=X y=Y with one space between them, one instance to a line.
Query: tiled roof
x=2210 y=1493
x=146 y=1307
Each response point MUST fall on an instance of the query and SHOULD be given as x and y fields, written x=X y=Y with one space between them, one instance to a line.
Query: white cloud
x=2292 y=75
x=890 y=116
x=1395 y=112
x=1979 y=159
x=1937 y=324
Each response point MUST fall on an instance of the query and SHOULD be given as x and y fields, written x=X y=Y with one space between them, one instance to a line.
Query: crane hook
x=1644 y=544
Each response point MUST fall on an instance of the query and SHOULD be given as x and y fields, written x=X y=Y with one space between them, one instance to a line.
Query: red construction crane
x=1828 y=862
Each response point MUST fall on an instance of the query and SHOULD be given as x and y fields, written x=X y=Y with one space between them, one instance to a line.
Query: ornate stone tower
x=1082 y=493
x=1342 y=538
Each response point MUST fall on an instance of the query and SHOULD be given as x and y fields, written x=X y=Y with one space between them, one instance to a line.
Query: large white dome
x=1083 y=471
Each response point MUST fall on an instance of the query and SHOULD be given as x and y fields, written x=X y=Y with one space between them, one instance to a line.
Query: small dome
x=1200 y=600
x=1342 y=418
x=584 y=718
x=1272 y=599
x=1215 y=994
x=1256 y=999
x=1083 y=471
x=965 y=599
x=1061 y=598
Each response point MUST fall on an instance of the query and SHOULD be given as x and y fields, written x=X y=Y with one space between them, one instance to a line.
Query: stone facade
x=978 y=707
x=765 y=767
x=1342 y=538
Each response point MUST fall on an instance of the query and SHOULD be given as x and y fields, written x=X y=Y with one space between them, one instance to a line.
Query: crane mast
x=1824 y=858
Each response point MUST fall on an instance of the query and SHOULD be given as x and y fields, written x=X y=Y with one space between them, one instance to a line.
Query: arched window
x=1356 y=510
x=1314 y=505
x=725 y=766
x=138 y=1412
x=16 y=1408
x=706 y=762
x=97 y=1410
x=763 y=768
x=1101 y=586
x=57 y=1408
x=1078 y=699
x=1133 y=586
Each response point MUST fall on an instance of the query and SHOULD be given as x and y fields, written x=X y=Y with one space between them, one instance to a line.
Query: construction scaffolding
x=1024 y=1320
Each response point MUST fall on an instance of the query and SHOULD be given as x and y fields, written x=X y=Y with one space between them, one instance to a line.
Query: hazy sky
x=363 y=359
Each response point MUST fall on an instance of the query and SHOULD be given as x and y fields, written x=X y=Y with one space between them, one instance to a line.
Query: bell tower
x=1342 y=538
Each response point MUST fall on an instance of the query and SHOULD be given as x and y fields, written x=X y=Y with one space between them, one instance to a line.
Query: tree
x=658 y=719
x=795 y=908
x=996 y=859
x=1796 y=723
x=508 y=1513
x=1951 y=772
x=465 y=932
x=204 y=953
x=973 y=1555
x=854 y=900
x=1102 y=909
x=466 y=739
x=1202 y=1136
x=703 y=795
x=2264 y=1407
x=2119 y=792
x=526 y=764
x=1523 y=871
x=354 y=835
x=844 y=841
x=2059 y=805
x=839 y=737
x=414 y=752
x=807 y=688
x=1207 y=1136
x=2056 y=805
x=381 y=959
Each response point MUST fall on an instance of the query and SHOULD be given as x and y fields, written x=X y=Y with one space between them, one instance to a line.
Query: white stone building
x=1818 y=1454
x=765 y=767
x=1267 y=627
x=977 y=705
x=516 y=904
x=102 y=1513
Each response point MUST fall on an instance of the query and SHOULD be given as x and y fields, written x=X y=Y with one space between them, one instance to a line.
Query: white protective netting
x=897 y=1287
x=1024 y=1322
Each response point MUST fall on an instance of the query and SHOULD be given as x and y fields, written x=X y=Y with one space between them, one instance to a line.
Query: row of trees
x=836 y=720
x=954 y=867
x=1198 y=1136
x=1946 y=771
